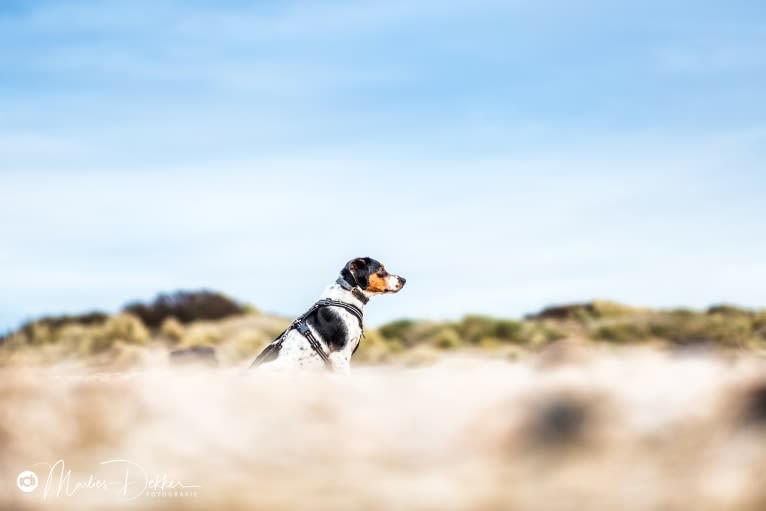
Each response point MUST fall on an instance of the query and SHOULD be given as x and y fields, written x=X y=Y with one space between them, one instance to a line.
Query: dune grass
x=238 y=332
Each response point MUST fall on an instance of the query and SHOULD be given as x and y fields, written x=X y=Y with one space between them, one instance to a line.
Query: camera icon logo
x=27 y=481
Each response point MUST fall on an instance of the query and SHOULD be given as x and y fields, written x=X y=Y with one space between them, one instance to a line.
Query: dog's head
x=371 y=276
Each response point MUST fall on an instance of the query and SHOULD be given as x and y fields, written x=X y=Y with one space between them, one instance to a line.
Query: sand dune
x=632 y=429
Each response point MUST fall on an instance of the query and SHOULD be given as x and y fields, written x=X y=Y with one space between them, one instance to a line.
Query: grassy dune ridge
x=143 y=333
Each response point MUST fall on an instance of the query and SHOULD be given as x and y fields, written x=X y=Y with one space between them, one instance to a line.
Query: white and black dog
x=330 y=331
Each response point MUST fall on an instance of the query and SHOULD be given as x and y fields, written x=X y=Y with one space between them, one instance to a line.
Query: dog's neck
x=355 y=290
x=346 y=294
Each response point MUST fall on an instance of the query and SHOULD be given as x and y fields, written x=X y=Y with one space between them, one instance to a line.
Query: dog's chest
x=338 y=331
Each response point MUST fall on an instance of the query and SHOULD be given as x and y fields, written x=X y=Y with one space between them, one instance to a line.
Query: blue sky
x=502 y=155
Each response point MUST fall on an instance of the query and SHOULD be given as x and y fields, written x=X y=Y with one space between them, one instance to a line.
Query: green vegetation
x=186 y=319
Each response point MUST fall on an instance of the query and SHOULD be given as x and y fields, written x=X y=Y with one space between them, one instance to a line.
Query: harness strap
x=304 y=330
x=328 y=302
x=272 y=350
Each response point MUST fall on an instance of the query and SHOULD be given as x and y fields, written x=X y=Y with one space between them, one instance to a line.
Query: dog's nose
x=402 y=280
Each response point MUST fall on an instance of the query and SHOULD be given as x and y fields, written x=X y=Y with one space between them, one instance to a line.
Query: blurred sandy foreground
x=574 y=427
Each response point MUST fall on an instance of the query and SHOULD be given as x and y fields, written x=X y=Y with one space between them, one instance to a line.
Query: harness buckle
x=302 y=328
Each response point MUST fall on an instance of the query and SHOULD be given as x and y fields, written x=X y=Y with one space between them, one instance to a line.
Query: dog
x=328 y=334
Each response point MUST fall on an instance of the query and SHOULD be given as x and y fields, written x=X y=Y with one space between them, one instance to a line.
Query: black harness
x=272 y=350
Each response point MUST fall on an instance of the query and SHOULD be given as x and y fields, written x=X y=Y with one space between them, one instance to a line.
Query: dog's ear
x=356 y=272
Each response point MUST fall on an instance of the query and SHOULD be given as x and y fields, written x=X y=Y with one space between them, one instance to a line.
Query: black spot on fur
x=329 y=327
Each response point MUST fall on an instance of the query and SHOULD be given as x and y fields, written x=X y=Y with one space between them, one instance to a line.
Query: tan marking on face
x=376 y=284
